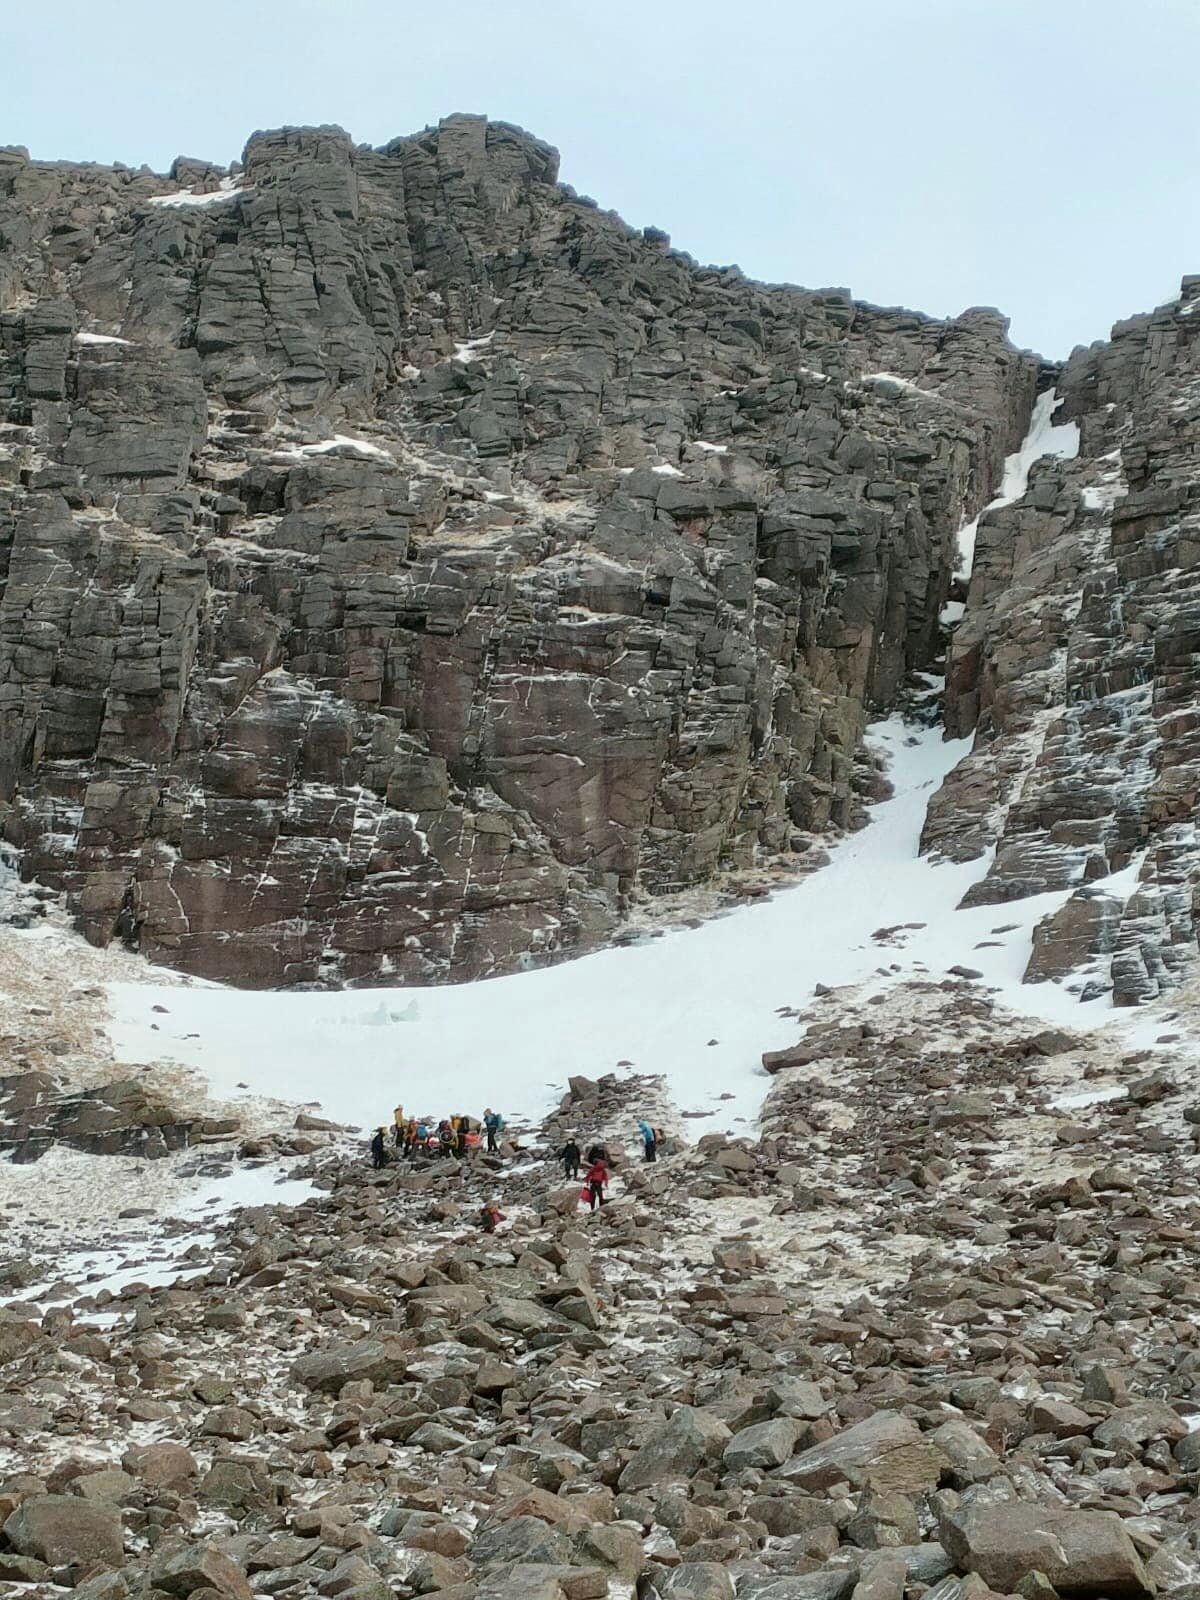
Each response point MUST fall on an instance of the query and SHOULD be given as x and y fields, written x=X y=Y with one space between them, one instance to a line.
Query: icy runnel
x=1045 y=438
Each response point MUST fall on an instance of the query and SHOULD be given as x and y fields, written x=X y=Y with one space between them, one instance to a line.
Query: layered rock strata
x=1075 y=667
x=406 y=563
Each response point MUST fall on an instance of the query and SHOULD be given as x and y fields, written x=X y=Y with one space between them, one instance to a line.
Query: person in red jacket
x=596 y=1179
x=489 y=1215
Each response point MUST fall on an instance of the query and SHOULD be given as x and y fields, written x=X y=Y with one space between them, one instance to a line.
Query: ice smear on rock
x=1045 y=438
x=188 y=197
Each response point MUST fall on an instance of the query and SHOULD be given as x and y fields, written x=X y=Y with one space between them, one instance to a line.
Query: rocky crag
x=1076 y=667
x=407 y=565
x=932 y=1334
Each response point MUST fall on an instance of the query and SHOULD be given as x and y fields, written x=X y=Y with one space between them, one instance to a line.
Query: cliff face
x=1076 y=667
x=405 y=562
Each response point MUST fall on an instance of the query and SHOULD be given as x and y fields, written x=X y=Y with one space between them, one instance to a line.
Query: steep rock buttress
x=405 y=562
x=1076 y=668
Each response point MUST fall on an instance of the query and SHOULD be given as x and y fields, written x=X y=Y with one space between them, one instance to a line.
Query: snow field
x=698 y=1006
x=695 y=1008
x=68 y=1198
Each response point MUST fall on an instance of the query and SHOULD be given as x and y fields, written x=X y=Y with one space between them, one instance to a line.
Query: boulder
x=833 y=1582
x=1059 y=1417
x=1136 y=1424
x=527 y=1540
x=677 y=1450
x=183 y=1569
x=1081 y=1552
x=161 y=1466
x=766 y=1444
x=65 y=1531
x=330 y=1368
x=693 y=1580
x=109 y=1486
x=886 y=1451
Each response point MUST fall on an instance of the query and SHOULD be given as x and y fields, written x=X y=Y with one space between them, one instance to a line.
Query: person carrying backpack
x=378 y=1151
x=398 y=1126
x=596 y=1179
x=569 y=1156
x=649 y=1141
x=493 y=1124
x=489 y=1215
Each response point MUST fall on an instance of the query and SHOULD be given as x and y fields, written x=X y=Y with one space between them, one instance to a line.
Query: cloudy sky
x=1038 y=155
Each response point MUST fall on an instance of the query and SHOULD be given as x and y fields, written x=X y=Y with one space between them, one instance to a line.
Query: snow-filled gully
x=698 y=1006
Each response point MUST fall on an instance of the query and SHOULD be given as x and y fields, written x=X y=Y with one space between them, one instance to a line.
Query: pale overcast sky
x=1038 y=155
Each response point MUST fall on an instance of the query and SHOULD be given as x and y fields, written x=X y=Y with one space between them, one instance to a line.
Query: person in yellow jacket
x=398 y=1125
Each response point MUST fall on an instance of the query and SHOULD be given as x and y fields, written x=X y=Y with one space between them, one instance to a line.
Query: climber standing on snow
x=649 y=1141
x=569 y=1156
x=493 y=1124
x=378 y=1150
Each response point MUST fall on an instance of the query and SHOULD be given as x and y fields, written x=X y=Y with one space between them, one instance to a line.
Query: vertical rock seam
x=1076 y=668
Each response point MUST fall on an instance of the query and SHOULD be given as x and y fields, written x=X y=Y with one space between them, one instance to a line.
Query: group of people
x=462 y=1135
x=451 y=1136
x=595 y=1179
x=596 y=1175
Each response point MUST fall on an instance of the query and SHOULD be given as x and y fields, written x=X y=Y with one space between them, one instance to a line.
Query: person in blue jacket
x=649 y=1141
x=493 y=1126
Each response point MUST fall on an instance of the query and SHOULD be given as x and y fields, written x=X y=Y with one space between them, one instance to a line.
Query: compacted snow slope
x=698 y=1006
